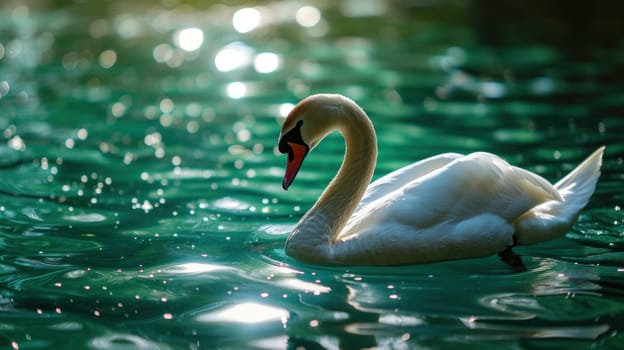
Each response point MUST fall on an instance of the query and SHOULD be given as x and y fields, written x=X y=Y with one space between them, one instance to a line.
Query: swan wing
x=465 y=188
x=401 y=177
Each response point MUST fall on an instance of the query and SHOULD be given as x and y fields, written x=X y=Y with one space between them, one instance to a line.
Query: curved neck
x=345 y=191
x=318 y=229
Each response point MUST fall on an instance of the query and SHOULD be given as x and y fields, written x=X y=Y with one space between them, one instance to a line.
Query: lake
x=141 y=204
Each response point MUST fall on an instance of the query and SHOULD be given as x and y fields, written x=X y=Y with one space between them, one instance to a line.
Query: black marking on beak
x=294 y=135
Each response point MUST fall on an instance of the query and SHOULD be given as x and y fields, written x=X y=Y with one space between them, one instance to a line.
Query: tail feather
x=554 y=218
x=577 y=187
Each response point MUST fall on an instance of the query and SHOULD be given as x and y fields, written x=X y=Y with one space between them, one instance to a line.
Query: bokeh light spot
x=189 y=39
x=308 y=16
x=246 y=19
x=236 y=90
x=266 y=62
x=162 y=53
x=233 y=56
x=285 y=108
x=108 y=58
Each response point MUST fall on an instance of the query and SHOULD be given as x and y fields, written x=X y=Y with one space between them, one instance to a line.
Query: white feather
x=445 y=207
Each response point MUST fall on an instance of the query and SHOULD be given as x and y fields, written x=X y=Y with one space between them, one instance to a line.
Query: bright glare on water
x=140 y=185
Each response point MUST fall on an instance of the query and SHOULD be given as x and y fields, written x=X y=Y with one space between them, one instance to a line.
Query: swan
x=445 y=207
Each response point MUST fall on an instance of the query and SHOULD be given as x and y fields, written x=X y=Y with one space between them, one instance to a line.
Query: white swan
x=445 y=207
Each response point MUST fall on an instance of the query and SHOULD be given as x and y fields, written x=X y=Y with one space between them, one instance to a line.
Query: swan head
x=305 y=126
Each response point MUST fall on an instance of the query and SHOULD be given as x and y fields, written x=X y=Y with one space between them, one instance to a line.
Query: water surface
x=140 y=186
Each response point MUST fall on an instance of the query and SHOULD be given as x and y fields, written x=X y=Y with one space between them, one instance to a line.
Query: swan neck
x=339 y=200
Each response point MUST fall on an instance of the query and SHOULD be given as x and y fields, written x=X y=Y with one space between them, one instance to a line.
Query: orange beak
x=296 y=154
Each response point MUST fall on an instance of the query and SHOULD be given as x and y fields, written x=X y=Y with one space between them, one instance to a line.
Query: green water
x=140 y=187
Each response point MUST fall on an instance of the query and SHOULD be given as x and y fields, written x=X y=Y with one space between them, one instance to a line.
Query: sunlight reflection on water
x=194 y=268
x=189 y=39
x=246 y=19
x=233 y=56
x=249 y=312
x=90 y=217
x=140 y=182
x=125 y=341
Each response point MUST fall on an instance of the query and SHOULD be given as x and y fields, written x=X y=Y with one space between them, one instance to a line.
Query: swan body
x=449 y=206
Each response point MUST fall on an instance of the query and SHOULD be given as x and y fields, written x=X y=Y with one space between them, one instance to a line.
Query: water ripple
x=140 y=184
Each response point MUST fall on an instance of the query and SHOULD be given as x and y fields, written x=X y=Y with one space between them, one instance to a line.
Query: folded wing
x=459 y=189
